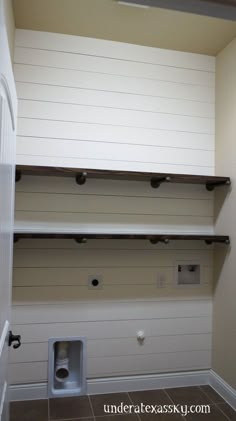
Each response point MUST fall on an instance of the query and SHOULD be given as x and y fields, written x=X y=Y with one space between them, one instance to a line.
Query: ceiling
x=107 y=19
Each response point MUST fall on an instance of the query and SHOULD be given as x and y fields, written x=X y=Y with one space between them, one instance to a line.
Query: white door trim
x=3 y=336
x=3 y=399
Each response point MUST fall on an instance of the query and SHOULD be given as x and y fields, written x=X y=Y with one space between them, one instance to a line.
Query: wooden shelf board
x=153 y=238
x=210 y=181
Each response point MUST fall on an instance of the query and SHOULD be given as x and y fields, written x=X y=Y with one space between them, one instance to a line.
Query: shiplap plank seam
x=86 y=63
x=105 y=48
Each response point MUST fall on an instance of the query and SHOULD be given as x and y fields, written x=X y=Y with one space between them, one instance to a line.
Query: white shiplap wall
x=51 y=295
x=99 y=104
x=92 y=103
x=51 y=298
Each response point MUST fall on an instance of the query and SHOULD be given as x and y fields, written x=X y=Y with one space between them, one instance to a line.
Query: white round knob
x=140 y=335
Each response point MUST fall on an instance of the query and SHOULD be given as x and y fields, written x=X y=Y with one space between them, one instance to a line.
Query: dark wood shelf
x=83 y=237
x=82 y=174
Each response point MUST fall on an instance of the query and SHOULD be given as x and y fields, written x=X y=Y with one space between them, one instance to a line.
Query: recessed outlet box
x=187 y=274
x=67 y=367
x=95 y=282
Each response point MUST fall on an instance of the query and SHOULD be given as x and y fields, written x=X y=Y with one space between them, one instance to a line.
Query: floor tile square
x=188 y=396
x=130 y=417
x=161 y=417
x=36 y=410
x=150 y=397
x=101 y=401
x=214 y=415
x=212 y=394
x=74 y=407
x=228 y=411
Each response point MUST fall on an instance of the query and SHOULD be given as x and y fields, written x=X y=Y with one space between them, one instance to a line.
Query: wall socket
x=95 y=282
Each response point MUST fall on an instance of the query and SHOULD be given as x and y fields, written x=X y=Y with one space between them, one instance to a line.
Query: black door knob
x=14 y=338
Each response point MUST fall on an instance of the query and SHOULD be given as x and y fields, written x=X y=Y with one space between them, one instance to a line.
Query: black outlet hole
x=95 y=282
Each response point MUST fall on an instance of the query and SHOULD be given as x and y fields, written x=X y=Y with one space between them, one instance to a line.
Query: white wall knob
x=140 y=336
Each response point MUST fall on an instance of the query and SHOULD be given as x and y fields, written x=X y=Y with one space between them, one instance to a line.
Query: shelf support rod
x=211 y=241
x=81 y=178
x=210 y=186
x=81 y=240
x=157 y=240
x=156 y=182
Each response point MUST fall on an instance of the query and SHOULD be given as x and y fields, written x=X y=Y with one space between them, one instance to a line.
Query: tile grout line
x=215 y=403
x=173 y=403
x=107 y=415
x=206 y=394
x=221 y=410
x=73 y=419
x=91 y=406
x=86 y=418
x=128 y=393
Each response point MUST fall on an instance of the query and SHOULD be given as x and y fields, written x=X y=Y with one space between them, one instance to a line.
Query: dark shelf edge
x=81 y=174
x=209 y=239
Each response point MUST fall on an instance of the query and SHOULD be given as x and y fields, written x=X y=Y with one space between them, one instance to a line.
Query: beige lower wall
x=224 y=308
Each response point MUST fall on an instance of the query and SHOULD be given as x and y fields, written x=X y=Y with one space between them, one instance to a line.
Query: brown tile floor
x=91 y=408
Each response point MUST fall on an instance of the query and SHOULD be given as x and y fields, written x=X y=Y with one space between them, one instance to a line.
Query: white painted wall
x=224 y=339
x=100 y=104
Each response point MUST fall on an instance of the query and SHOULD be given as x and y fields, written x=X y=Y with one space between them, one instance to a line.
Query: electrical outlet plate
x=161 y=280
x=95 y=282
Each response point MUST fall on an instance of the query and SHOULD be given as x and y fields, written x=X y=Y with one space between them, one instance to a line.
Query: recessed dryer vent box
x=67 y=367
x=188 y=274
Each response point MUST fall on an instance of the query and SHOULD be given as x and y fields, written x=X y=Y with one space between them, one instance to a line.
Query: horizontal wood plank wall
x=99 y=104
x=59 y=203
x=51 y=294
